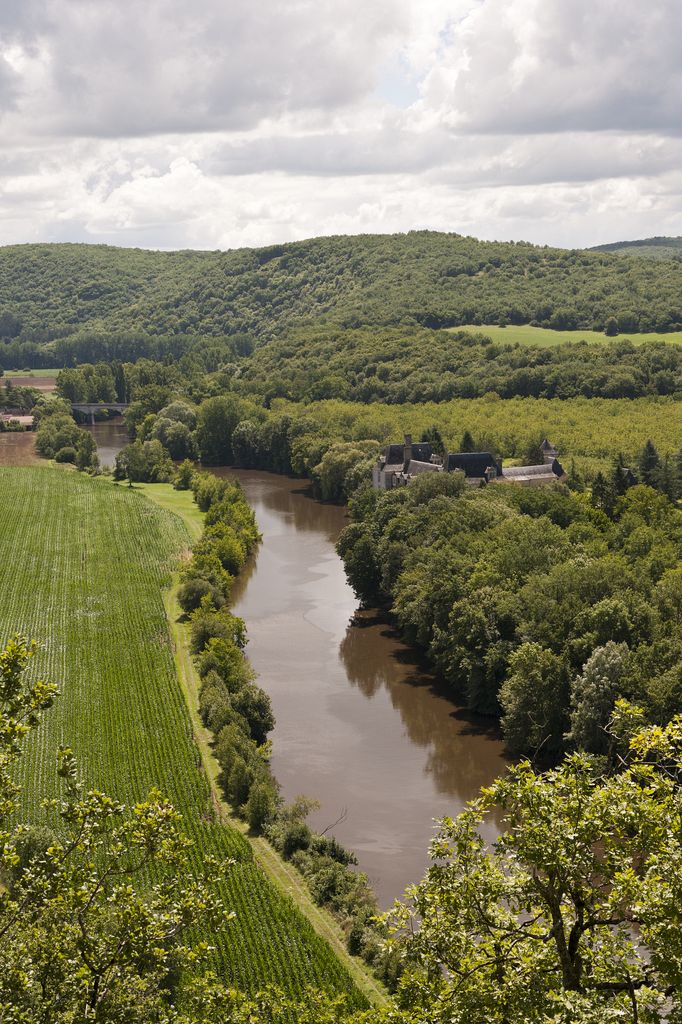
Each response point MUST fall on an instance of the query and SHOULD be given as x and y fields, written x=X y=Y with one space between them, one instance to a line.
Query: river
x=18 y=449
x=111 y=436
x=361 y=724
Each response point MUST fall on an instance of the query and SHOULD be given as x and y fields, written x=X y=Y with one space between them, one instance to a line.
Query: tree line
x=533 y=604
x=334 y=443
x=239 y=714
x=414 y=365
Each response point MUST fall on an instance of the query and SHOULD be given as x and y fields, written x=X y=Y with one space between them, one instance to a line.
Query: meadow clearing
x=524 y=334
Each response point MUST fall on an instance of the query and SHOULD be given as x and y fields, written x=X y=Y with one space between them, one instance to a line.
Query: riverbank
x=289 y=881
x=363 y=726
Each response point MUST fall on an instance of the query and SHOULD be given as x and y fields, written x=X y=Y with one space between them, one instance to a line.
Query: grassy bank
x=84 y=564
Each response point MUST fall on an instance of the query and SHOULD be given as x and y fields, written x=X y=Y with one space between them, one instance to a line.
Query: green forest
x=419 y=278
x=553 y=615
x=659 y=247
x=397 y=365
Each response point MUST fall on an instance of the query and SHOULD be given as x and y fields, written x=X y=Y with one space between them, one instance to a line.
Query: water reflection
x=361 y=723
x=459 y=745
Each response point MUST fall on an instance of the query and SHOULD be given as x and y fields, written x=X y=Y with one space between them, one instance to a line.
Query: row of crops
x=82 y=567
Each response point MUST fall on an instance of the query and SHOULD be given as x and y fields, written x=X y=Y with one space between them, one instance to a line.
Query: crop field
x=38 y=374
x=44 y=381
x=525 y=335
x=82 y=567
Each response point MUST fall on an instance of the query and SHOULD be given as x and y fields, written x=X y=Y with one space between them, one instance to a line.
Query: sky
x=214 y=124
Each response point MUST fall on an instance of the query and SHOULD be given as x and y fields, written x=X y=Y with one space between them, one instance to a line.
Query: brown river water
x=362 y=726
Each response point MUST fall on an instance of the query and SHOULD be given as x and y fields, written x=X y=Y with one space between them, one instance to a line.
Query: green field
x=83 y=568
x=543 y=336
x=32 y=373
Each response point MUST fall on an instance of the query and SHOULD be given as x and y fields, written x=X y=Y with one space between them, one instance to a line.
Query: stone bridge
x=91 y=409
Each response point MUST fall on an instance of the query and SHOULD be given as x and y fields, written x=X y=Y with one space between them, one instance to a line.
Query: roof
x=421 y=451
x=473 y=464
x=416 y=467
x=548 y=470
x=547 y=446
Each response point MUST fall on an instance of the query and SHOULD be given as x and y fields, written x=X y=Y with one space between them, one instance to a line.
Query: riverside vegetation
x=558 y=610
x=536 y=605
x=238 y=713
x=541 y=928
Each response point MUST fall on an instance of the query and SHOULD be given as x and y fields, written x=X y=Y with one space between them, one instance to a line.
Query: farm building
x=398 y=464
x=24 y=420
x=478 y=467
x=535 y=476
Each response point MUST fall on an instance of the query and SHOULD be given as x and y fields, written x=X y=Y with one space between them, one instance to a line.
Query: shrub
x=329 y=846
x=232 y=742
x=207 y=566
x=238 y=782
x=66 y=454
x=296 y=837
x=209 y=624
x=192 y=592
x=208 y=489
x=254 y=705
x=226 y=659
x=230 y=551
x=184 y=476
x=219 y=713
x=214 y=703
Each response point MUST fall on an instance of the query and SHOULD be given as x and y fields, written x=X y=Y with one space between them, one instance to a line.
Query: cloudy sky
x=220 y=123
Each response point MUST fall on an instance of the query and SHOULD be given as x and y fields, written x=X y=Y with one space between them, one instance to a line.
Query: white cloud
x=214 y=124
x=115 y=68
x=530 y=66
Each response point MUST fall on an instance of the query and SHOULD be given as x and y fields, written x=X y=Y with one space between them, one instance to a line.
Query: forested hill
x=661 y=247
x=424 y=278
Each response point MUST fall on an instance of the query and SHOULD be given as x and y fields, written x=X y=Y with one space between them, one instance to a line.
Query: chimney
x=407 y=455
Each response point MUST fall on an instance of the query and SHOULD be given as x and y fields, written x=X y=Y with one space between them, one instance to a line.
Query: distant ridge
x=422 y=278
x=660 y=247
